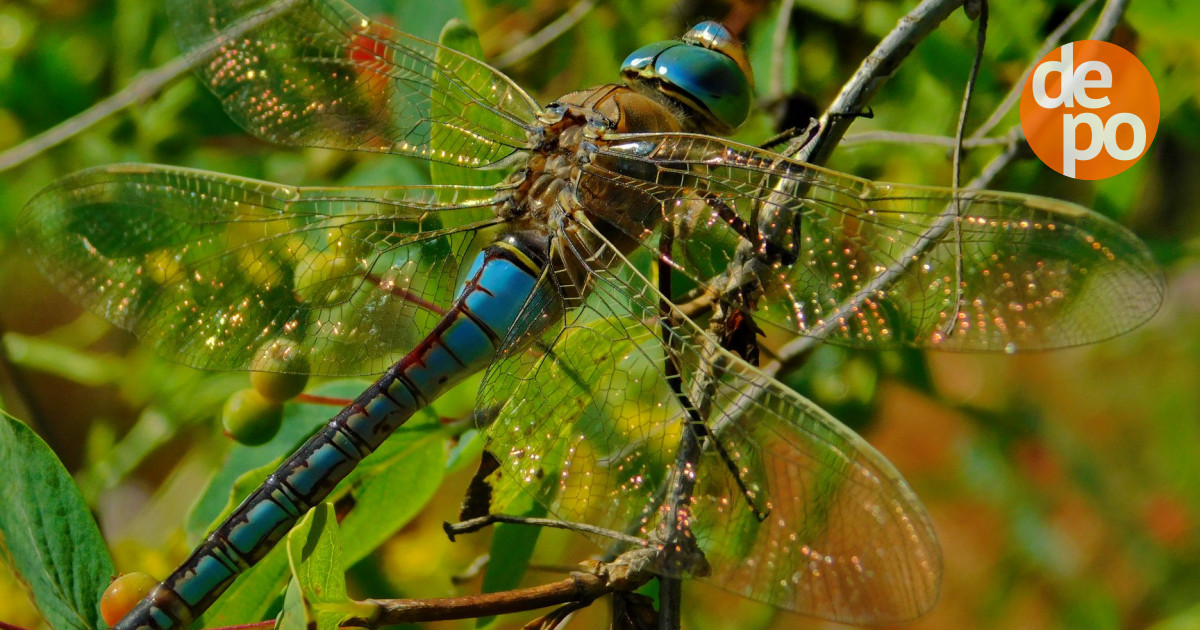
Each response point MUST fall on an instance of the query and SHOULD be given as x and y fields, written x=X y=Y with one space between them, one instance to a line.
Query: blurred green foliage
x=1065 y=486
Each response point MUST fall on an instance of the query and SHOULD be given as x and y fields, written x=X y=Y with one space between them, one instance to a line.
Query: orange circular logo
x=1089 y=109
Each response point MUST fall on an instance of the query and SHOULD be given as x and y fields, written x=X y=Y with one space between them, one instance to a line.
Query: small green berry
x=250 y=418
x=283 y=371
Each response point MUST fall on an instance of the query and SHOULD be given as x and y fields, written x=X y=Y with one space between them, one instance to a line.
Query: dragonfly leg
x=807 y=133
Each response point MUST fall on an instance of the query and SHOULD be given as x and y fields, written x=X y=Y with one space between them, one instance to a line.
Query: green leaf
x=252 y=595
x=392 y=484
x=422 y=19
x=314 y=549
x=512 y=548
x=466 y=452
x=63 y=360
x=48 y=534
x=293 y=616
x=389 y=488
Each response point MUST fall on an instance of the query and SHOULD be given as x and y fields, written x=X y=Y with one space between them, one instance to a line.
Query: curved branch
x=140 y=89
x=872 y=73
x=579 y=588
x=796 y=350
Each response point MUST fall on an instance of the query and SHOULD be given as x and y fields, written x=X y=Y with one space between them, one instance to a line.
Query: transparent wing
x=584 y=417
x=212 y=269
x=318 y=73
x=862 y=263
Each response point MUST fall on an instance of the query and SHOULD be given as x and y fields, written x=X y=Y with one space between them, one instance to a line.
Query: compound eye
x=704 y=71
x=641 y=61
x=710 y=80
x=715 y=36
x=710 y=34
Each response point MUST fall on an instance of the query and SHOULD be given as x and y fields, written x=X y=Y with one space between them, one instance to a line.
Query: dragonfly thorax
x=547 y=194
x=584 y=399
x=551 y=193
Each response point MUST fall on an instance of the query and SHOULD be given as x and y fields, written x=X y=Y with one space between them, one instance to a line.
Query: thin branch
x=476 y=524
x=579 y=588
x=329 y=401
x=258 y=625
x=871 y=74
x=980 y=9
x=815 y=149
x=677 y=532
x=778 y=44
x=698 y=305
x=1110 y=17
x=900 y=137
x=670 y=603
x=798 y=348
x=540 y=39
x=969 y=91
x=853 y=98
x=1014 y=93
x=676 y=527
x=140 y=89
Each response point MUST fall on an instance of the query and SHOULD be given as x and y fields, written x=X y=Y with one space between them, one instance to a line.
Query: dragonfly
x=563 y=283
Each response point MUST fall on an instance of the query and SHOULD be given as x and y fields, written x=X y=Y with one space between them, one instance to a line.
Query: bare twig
x=899 y=137
x=677 y=533
x=476 y=524
x=853 y=98
x=140 y=89
x=871 y=74
x=1109 y=18
x=980 y=9
x=778 y=42
x=815 y=149
x=675 y=530
x=1014 y=92
x=538 y=40
x=625 y=574
x=798 y=348
x=670 y=603
x=579 y=588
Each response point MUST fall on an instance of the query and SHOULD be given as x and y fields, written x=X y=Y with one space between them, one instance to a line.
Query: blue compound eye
x=709 y=79
x=643 y=58
x=704 y=72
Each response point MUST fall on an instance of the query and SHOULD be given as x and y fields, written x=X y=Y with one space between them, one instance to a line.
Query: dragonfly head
x=706 y=71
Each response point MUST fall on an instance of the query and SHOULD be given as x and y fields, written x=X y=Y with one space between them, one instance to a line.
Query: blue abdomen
x=506 y=280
